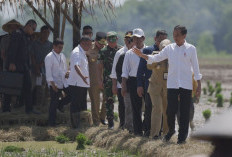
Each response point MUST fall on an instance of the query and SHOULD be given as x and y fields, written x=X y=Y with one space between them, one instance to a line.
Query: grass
x=50 y=148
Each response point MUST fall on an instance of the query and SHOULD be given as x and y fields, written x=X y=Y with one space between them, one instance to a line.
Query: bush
x=211 y=90
x=89 y=142
x=220 y=100
x=81 y=140
x=208 y=84
x=218 y=91
x=218 y=84
x=116 y=116
x=62 y=139
x=205 y=91
x=13 y=149
x=206 y=114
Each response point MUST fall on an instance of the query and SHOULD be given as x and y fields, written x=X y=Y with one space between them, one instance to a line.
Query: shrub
x=13 y=149
x=81 y=140
x=116 y=116
x=218 y=91
x=208 y=84
x=220 y=100
x=89 y=142
x=206 y=114
x=205 y=91
x=62 y=139
x=211 y=90
x=218 y=84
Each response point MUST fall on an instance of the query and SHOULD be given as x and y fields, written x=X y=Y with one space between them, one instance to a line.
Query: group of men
x=104 y=66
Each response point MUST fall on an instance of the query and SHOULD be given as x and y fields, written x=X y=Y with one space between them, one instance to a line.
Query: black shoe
x=104 y=122
x=156 y=137
x=168 y=136
x=111 y=125
x=181 y=142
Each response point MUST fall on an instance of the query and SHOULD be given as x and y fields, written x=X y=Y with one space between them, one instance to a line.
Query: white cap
x=138 y=32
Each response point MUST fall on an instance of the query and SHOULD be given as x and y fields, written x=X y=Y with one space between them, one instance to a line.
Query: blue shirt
x=143 y=74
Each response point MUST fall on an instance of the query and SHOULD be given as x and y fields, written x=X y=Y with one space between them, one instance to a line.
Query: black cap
x=101 y=37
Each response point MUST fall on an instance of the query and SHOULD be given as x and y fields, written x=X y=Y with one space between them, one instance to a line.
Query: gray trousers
x=128 y=113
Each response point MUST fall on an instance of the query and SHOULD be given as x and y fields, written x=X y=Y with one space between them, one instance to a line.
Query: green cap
x=112 y=36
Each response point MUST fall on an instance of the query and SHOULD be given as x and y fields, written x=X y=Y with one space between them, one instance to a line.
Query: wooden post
x=56 y=33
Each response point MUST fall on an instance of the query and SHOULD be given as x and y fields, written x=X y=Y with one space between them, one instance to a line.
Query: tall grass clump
x=207 y=114
x=220 y=100
x=81 y=141
x=62 y=139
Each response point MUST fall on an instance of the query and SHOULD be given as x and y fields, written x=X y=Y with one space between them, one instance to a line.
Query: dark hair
x=58 y=41
x=182 y=29
x=43 y=28
x=87 y=27
x=85 y=38
x=161 y=32
x=31 y=22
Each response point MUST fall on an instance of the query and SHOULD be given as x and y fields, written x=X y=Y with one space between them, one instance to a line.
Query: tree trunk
x=77 y=20
x=56 y=33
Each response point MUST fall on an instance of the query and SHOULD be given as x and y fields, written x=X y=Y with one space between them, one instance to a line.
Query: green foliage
x=230 y=101
x=62 y=139
x=89 y=142
x=81 y=140
x=206 y=38
x=208 y=84
x=13 y=149
x=205 y=91
x=116 y=116
x=220 y=100
x=218 y=84
x=206 y=114
x=211 y=90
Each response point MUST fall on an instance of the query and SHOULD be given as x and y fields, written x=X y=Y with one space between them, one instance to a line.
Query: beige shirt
x=92 y=55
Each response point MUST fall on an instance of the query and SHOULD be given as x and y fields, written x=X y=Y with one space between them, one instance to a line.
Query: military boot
x=111 y=124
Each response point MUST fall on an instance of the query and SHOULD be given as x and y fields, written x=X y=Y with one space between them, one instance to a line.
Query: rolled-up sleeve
x=48 y=67
x=158 y=57
x=125 y=66
x=195 y=65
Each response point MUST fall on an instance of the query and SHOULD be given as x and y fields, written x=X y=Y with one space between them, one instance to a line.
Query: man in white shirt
x=117 y=80
x=56 y=69
x=78 y=80
x=182 y=60
x=129 y=76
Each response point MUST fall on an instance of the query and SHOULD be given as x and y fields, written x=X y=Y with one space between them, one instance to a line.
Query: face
x=138 y=41
x=178 y=37
x=88 y=32
x=86 y=45
x=129 y=42
x=58 y=48
x=159 y=39
x=112 y=44
x=99 y=46
x=45 y=34
x=31 y=29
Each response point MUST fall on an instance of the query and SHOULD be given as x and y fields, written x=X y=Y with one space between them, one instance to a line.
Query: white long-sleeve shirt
x=56 y=68
x=78 y=58
x=131 y=64
x=113 y=74
x=182 y=62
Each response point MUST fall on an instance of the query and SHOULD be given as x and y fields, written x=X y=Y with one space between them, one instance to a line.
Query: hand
x=123 y=91
x=12 y=67
x=137 y=52
x=85 y=80
x=140 y=91
x=67 y=75
x=55 y=89
x=114 y=89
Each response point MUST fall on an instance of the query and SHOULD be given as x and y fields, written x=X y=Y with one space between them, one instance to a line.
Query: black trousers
x=147 y=114
x=136 y=102
x=184 y=107
x=121 y=108
x=67 y=99
x=79 y=99
x=26 y=96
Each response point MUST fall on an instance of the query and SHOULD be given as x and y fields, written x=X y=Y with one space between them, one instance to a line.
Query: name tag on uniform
x=165 y=76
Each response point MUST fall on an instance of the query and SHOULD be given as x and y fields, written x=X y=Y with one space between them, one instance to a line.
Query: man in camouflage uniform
x=94 y=90
x=106 y=57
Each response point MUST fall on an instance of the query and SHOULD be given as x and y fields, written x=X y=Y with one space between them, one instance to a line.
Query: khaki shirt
x=92 y=55
x=159 y=74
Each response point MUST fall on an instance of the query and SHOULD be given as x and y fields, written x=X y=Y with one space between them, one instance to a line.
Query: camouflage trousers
x=109 y=100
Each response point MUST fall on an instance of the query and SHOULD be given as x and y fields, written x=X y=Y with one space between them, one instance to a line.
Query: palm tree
x=65 y=7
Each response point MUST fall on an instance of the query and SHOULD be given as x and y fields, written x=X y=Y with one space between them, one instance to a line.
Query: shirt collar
x=81 y=49
x=55 y=53
x=184 y=45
